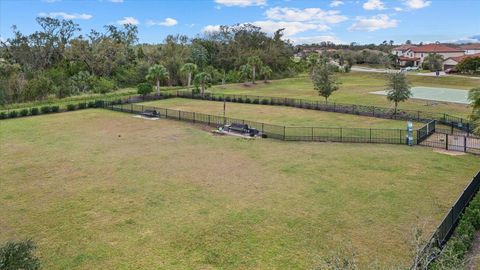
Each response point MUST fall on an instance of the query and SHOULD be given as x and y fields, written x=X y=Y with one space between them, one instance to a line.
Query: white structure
x=471 y=48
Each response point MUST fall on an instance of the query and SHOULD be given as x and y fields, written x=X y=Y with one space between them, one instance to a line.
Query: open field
x=355 y=89
x=279 y=115
x=101 y=189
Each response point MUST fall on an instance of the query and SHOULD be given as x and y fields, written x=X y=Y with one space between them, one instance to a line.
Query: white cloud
x=241 y=3
x=211 y=28
x=315 y=39
x=50 y=1
x=307 y=14
x=417 y=4
x=291 y=28
x=398 y=9
x=128 y=20
x=166 y=22
x=116 y=1
x=336 y=3
x=66 y=16
x=374 y=5
x=373 y=23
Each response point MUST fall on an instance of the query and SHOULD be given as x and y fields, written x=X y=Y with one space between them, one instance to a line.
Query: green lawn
x=355 y=89
x=279 y=115
x=97 y=189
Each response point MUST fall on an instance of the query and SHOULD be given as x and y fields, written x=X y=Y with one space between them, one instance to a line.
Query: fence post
x=284 y=133
x=312 y=133
x=341 y=134
x=209 y=119
x=370 y=135
x=179 y=117
x=193 y=117
x=400 y=135
x=446 y=141
x=465 y=144
x=262 y=127
x=451 y=128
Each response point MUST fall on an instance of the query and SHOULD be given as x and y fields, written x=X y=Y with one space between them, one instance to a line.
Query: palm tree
x=202 y=79
x=157 y=73
x=255 y=62
x=433 y=62
x=265 y=72
x=245 y=72
x=189 y=68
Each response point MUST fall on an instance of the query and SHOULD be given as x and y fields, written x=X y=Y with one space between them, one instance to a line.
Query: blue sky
x=340 y=21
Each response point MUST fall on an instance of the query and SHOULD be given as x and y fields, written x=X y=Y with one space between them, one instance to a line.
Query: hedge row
x=453 y=254
x=49 y=109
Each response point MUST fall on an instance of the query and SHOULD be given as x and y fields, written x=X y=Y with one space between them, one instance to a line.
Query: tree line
x=58 y=61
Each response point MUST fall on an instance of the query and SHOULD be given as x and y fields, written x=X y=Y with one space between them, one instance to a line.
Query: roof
x=458 y=59
x=435 y=48
x=475 y=46
x=403 y=48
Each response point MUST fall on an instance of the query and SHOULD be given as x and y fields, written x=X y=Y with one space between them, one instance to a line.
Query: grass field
x=355 y=89
x=102 y=190
x=279 y=115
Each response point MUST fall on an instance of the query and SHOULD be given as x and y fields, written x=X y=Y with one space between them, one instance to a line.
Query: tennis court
x=436 y=94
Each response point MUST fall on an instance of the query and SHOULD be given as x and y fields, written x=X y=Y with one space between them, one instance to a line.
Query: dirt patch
x=450 y=153
x=473 y=255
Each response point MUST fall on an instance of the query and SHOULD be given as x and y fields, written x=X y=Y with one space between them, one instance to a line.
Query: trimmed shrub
x=24 y=112
x=71 y=107
x=82 y=105
x=247 y=100
x=45 y=109
x=265 y=101
x=91 y=104
x=240 y=100
x=3 y=115
x=256 y=101
x=34 y=111
x=227 y=99
x=99 y=104
x=55 y=109
x=12 y=114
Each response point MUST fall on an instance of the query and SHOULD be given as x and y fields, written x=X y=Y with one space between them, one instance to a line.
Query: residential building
x=451 y=62
x=471 y=48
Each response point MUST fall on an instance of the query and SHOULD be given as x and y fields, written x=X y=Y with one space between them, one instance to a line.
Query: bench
x=242 y=129
x=150 y=113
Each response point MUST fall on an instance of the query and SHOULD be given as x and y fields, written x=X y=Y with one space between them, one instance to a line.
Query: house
x=471 y=48
x=415 y=55
x=451 y=62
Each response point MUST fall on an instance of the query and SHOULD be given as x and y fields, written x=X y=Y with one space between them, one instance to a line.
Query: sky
x=339 y=21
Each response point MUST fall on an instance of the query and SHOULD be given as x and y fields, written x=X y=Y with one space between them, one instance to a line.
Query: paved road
x=431 y=74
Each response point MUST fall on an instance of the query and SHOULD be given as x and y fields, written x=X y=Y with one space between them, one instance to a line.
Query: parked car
x=450 y=70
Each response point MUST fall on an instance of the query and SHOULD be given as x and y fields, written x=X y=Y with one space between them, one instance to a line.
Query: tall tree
x=189 y=68
x=324 y=79
x=203 y=80
x=255 y=62
x=265 y=72
x=157 y=73
x=398 y=88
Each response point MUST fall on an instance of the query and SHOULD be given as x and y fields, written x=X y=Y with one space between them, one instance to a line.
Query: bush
x=255 y=101
x=144 y=89
x=71 y=107
x=265 y=101
x=82 y=105
x=45 y=109
x=91 y=104
x=240 y=100
x=227 y=99
x=247 y=100
x=19 y=255
x=24 y=112
x=34 y=111
x=99 y=104
x=12 y=114
x=55 y=109
x=3 y=115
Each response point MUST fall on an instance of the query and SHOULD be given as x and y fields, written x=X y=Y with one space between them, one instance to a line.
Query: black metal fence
x=446 y=228
x=460 y=143
x=373 y=111
x=364 y=135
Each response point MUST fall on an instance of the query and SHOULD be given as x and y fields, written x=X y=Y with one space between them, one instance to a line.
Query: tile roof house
x=471 y=48
x=451 y=62
x=415 y=55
